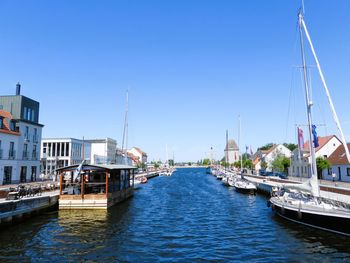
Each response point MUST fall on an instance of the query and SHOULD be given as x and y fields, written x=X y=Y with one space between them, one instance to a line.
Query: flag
x=78 y=170
x=300 y=139
x=314 y=133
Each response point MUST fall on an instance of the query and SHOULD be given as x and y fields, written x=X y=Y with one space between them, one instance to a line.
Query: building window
x=67 y=148
x=7 y=175
x=348 y=171
x=33 y=175
x=54 y=149
x=58 y=149
x=35 y=136
x=23 y=175
x=329 y=171
x=12 y=125
x=25 y=151
x=34 y=155
x=12 y=150
x=1 y=122
x=26 y=134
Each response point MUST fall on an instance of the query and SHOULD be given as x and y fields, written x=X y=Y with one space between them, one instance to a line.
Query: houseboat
x=88 y=186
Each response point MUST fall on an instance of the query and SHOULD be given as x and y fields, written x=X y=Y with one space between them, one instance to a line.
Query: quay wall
x=17 y=210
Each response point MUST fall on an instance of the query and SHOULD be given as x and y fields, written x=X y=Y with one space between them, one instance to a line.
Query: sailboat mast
x=125 y=132
x=226 y=155
x=239 y=139
x=314 y=179
x=335 y=116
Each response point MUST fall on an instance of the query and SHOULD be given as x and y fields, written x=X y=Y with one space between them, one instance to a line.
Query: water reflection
x=189 y=216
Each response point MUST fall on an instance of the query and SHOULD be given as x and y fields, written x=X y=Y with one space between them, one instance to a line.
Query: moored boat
x=244 y=186
x=302 y=203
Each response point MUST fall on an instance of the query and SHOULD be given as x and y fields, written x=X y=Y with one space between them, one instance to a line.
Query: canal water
x=188 y=217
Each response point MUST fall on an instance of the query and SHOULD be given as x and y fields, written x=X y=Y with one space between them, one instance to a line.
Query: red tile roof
x=322 y=141
x=338 y=157
x=6 y=126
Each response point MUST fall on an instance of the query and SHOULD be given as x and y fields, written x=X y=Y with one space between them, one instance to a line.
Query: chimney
x=18 y=89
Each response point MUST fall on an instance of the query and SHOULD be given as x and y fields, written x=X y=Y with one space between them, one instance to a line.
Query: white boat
x=245 y=186
x=302 y=203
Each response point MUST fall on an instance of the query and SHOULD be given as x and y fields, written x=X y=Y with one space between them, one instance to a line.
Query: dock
x=17 y=210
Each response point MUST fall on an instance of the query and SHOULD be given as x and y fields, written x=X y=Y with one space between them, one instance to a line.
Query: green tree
x=237 y=164
x=248 y=163
x=206 y=162
x=281 y=163
x=189 y=163
x=266 y=146
x=321 y=164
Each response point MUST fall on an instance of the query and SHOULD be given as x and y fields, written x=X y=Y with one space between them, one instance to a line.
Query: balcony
x=12 y=154
x=25 y=155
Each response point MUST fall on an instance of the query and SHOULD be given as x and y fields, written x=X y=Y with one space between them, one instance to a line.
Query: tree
x=248 y=163
x=237 y=164
x=321 y=164
x=291 y=146
x=281 y=163
x=263 y=164
x=266 y=146
x=206 y=162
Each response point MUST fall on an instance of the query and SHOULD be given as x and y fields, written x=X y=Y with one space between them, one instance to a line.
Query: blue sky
x=191 y=67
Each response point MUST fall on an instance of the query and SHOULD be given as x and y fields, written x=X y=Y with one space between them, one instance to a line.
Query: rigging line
x=289 y=106
x=291 y=88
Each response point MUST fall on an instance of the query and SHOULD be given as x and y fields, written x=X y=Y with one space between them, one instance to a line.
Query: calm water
x=188 y=217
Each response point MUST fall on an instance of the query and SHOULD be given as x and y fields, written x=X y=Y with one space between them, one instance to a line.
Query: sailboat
x=242 y=185
x=168 y=171
x=302 y=203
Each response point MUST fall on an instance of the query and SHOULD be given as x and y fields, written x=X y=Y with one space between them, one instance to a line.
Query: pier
x=21 y=209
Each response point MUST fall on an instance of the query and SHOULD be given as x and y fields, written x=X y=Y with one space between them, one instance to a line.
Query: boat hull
x=242 y=190
x=326 y=222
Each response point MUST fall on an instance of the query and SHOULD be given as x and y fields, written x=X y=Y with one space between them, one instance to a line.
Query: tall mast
x=226 y=154
x=335 y=116
x=125 y=132
x=239 y=139
x=313 y=179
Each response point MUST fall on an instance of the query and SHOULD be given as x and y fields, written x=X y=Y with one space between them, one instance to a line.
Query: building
x=120 y=158
x=137 y=155
x=61 y=152
x=340 y=166
x=231 y=152
x=20 y=138
x=103 y=151
x=268 y=156
x=300 y=163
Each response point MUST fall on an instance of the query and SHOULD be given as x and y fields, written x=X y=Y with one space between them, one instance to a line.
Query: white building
x=103 y=151
x=137 y=155
x=231 y=152
x=300 y=165
x=61 y=152
x=340 y=166
x=20 y=137
x=268 y=156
